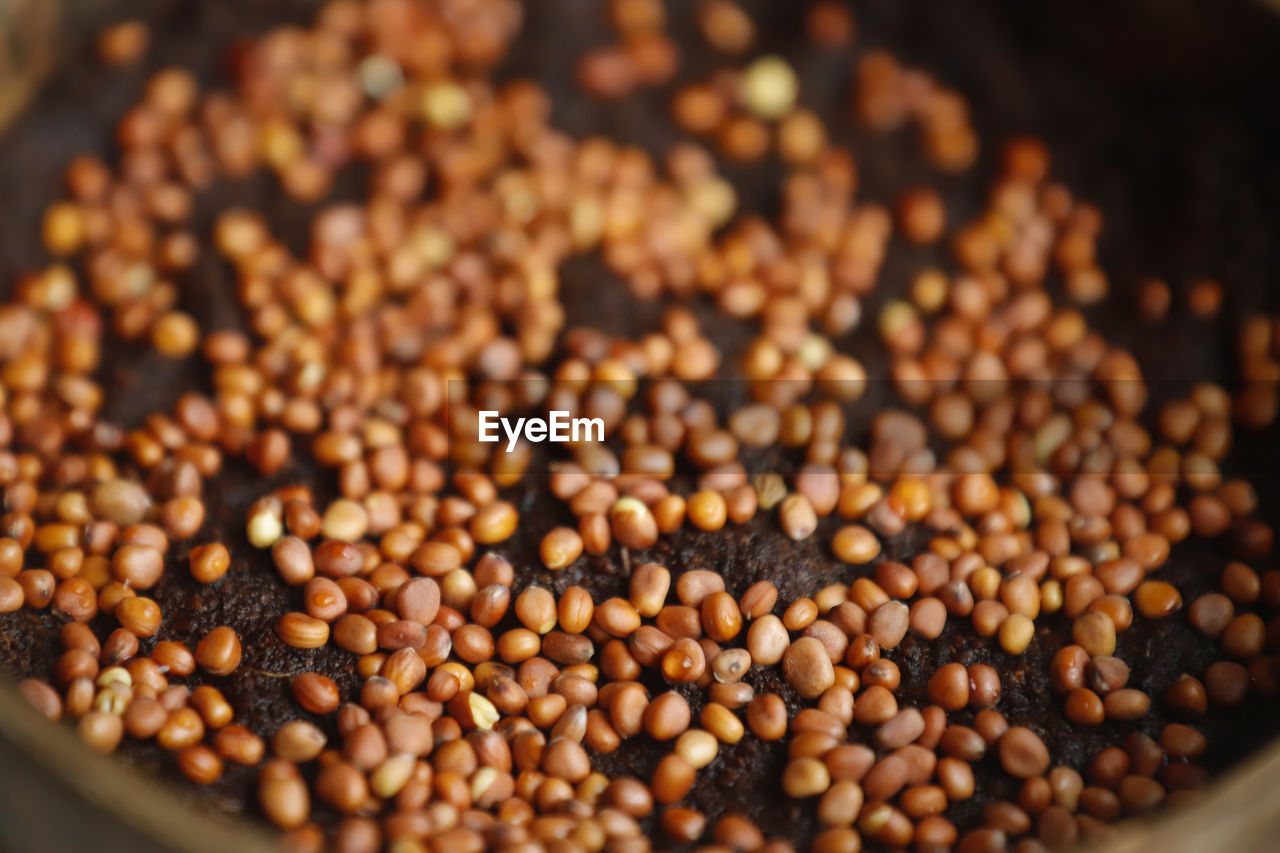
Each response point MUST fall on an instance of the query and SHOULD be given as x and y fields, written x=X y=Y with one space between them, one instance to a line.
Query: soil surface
x=1162 y=124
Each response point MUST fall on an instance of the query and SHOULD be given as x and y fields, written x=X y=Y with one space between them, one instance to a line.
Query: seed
x=922 y=215
x=292 y=560
x=650 y=584
x=721 y=619
x=11 y=595
x=904 y=728
x=1083 y=706
x=767 y=640
x=1095 y=633
x=731 y=665
x=342 y=786
x=560 y=547
x=949 y=687
x=536 y=609
x=684 y=662
x=694 y=586
x=418 y=600
x=1211 y=613
x=209 y=562
x=266 y=523
x=1245 y=636
x=706 y=510
x=1155 y=599
x=1023 y=754
x=767 y=717
x=807 y=667
x=100 y=731
x=758 y=600
x=575 y=610
x=672 y=779
x=805 y=777
x=315 y=692
x=140 y=566
x=184 y=727
x=138 y=615
x=721 y=722
x=200 y=764
x=888 y=623
x=667 y=716
x=1016 y=633
x=219 y=651
x=565 y=759
x=119 y=501
x=797 y=517
x=390 y=777
x=302 y=631
x=175 y=335
x=1127 y=704
x=855 y=544
x=632 y=523
x=769 y=87
x=285 y=801
x=324 y=599
x=697 y=747
x=42 y=697
x=298 y=741
x=617 y=617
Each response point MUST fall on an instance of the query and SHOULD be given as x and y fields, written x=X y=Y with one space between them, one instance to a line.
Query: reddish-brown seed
x=219 y=652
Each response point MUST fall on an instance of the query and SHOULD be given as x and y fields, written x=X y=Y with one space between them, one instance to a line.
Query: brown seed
x=1127 y=704
x=949 y=687
x=575 y=610
x=1023 y=754
x=797 y=517
x=536 y=609
x=120 y=501
x=667 y=716
x=141 y=616
x=807 y=667
x=200 y=764
x=855 y=544
x=684 y=661
x=184 y=727
x=418 y=600
x=138 y=565
x=650 y=584
x=11 y=595
x=101 y=731
x=888 y=623
x=219 y=651
x=1084 y=707
x=1095 y=633
x=315 y=692
x=293 y=560
x=672 y=779
x=567 y=760
x=1107 y=674
x=805 y=777
x=209 y=562
x=560 y=547
x=633 y=524
x=302 y=631
x=904 y=728
x=721 y=619
x=1155 y=599
x=42 y=697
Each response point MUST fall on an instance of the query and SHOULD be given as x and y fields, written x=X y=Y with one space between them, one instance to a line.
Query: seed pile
x=1020 y=452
